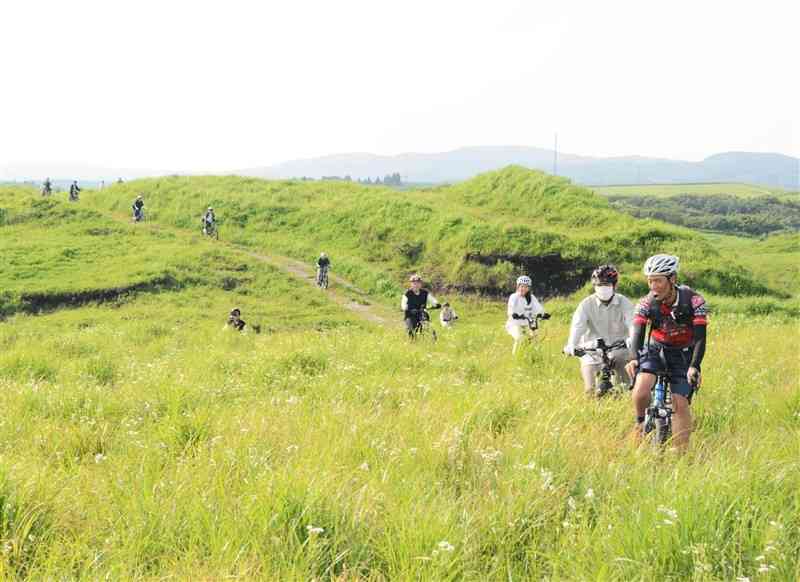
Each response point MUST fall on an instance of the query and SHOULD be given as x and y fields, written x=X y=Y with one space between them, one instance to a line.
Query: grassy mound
x=476 y=236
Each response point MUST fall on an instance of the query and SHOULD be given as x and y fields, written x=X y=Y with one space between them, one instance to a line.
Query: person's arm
x=537 y=308
x=577 y=328
x=511 y=304
x=432 y=300
x=699 y=346
x=404 y=303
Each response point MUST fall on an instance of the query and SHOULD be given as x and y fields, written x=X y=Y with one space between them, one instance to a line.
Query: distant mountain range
x=775 y=170
x=772 y=170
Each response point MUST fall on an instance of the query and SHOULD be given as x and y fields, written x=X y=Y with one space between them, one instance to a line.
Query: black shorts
x=674 y=362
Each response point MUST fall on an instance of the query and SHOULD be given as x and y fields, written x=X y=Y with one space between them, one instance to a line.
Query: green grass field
x=743 y=190
x=143 y=441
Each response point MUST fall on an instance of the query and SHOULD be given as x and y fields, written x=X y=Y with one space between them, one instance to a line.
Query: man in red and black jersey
x=678 y=317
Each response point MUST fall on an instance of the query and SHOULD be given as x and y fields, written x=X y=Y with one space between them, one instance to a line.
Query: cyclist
x=47 y=187
x=447 y=317
x=522 y=307
x=235 y=320
x=414 y=303
x=74 y=191
x=678 y=317
x=605 y=315
x=323 y=264
x=138 y=208
x=209 y=221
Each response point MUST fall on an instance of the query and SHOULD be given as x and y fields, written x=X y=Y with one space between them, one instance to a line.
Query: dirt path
x=341 y=291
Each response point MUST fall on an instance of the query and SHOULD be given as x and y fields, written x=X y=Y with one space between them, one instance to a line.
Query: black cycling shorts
x=674 y=361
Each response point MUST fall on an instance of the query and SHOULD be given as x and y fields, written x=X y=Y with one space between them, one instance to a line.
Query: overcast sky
x=213 y=86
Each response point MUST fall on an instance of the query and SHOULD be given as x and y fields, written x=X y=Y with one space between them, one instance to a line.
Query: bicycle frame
x=658 y=415
x=423 y=326
x=607 y=369
x=322 y=277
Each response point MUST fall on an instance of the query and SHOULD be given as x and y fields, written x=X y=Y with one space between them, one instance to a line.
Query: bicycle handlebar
x=600 y=348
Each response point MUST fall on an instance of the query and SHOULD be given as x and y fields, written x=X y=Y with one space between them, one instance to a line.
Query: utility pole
x=555 y=157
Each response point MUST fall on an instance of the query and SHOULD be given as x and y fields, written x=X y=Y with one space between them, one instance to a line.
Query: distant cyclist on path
x=414 y=304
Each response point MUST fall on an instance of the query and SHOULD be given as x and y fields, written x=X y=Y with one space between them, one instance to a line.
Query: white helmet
x=524 y=280
x=322 y=255
x=661 y=265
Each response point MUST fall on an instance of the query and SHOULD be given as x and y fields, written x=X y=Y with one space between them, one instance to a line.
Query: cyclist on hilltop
x=209 y=221
x=138 y=208
x=47 y=187
x=676 y=344
x=235 y=320
x=522 y=308
x=414 y=304
x=74 y=191
x=605 y=315
x=323 y=264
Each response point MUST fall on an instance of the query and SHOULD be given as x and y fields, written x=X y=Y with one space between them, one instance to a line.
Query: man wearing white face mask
x=603 y=315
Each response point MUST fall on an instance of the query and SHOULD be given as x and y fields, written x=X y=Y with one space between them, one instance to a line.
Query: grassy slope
x=509 y=219
x=141 y=441
x=59 y=253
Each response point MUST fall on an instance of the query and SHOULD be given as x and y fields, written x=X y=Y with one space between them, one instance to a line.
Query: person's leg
x=410 y=324
x=589 y=375
x=681 y=421
x=516 y=332
x=620 y=358
x=641 y=397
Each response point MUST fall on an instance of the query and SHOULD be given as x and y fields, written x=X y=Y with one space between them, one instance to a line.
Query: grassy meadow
x=141 y=440
x=735 y=189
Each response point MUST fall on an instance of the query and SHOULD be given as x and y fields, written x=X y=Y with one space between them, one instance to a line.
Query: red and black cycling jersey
x=673 y=325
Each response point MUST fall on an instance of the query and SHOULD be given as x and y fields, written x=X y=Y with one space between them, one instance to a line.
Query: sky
x=198 y=86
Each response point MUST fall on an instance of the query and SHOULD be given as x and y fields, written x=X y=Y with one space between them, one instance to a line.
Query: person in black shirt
x=138 y=208
x=414 y=303
x=235 y=320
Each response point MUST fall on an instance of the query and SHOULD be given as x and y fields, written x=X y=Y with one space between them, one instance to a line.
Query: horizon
x=136 y=173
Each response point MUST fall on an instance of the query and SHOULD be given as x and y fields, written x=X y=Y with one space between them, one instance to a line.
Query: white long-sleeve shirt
x=594 y=319
x=517 y=304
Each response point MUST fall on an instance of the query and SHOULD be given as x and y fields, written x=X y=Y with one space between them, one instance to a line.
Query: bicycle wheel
x=663 y=432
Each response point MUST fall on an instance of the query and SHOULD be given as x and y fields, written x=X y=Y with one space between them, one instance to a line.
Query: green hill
x=476 y=236
x=141 y=441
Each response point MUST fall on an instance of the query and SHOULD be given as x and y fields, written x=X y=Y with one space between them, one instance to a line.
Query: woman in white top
x=522 y=306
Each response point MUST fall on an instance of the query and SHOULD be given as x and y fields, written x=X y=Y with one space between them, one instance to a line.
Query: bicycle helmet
x=235 y=311
x=524 y=280
x=415 y=277
x=661 y=265
x=605 y=274
x=323 y=255
x=210 y=208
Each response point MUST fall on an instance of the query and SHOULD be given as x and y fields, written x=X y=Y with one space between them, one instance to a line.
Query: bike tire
x=662 y=433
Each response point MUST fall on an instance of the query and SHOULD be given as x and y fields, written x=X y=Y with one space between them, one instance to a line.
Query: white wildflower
x=99 y=458
x=314 y=530
x=445 y=546
x=589 y=493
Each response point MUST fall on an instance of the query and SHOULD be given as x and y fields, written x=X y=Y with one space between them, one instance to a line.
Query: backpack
x=683 y=312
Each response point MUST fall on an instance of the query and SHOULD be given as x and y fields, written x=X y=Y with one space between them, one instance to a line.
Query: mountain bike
x=658 y=415
x=603 y=382
x=322 y=278
x=211 y=229
x=422 y=328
